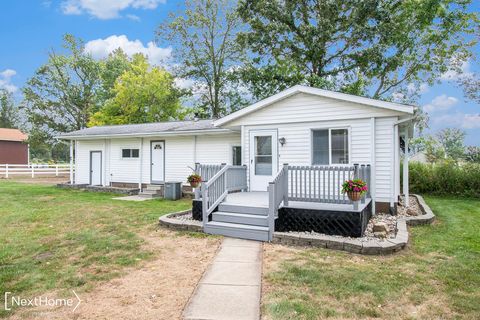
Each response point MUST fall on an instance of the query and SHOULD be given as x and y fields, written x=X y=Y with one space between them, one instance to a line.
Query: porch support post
x=71 y=162
x=197 y=171
x=405 y=170
x=141 y=165
x=285 y=186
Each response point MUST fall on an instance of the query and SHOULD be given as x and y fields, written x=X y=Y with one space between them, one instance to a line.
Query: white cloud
x=106 y=9
x=420 y=88
x=462 y=120
x=471 y=121
x=5 y=80
x=133 y=17
x=442 y=102
x=457 y=70
x=101 y=48
x=184 y=83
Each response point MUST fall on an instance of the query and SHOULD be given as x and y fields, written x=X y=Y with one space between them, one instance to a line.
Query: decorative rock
x=380 y=234
x=381 y=228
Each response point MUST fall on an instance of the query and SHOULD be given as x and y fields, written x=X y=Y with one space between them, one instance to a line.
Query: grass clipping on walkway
x=437 y=277
x=54 y=239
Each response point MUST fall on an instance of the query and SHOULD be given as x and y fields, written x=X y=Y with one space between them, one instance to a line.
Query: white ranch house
x=320 y=134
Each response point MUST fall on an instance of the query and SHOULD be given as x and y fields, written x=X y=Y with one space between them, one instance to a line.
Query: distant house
x=13 y=149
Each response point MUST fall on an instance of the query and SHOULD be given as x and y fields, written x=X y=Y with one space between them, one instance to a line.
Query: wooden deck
x=260 y=199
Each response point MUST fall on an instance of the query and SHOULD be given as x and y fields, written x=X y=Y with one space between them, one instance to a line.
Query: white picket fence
x=34 y=169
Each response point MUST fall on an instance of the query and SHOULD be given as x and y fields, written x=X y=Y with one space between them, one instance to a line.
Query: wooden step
x=237 y=230
x=240 y=218
x=154 y=187
x=236 y=208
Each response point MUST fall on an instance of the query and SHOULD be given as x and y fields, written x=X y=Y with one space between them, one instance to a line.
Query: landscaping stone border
x=368 y=247
x=115 y=190
x=170 y=222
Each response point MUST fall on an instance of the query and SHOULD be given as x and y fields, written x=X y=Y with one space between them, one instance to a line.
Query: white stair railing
x=228 y=179
x=277 y=193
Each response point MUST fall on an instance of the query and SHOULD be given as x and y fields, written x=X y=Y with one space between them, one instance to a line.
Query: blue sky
x=30 y=29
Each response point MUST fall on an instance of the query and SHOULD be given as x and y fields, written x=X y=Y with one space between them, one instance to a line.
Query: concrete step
x=237 y=230
x=154 y=187
x=236 y=208
x=146 y=191
x=241 y=218
x=149 y=195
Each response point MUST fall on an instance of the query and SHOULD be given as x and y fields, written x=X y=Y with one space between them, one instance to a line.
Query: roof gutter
x=160 y=133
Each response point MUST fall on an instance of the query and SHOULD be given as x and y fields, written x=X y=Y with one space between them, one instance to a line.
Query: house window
x=330 y=146
x=130 y=153
x=237 y=156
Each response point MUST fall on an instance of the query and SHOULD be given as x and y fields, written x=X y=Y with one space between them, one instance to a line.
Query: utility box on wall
x=173 y=190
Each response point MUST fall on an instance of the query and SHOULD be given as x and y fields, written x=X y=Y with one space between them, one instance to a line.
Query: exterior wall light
x=282 y=141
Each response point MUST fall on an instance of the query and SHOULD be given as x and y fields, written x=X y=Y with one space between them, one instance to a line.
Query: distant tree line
x=233 y=53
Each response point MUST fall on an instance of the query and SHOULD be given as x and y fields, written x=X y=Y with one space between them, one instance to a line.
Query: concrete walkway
x=231 y=287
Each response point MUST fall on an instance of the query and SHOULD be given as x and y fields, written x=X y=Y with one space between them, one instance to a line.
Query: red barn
x=13 y=149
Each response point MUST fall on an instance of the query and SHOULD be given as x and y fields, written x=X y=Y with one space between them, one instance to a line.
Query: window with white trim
x=237 y=155
x=130 y=153
x=330 y=146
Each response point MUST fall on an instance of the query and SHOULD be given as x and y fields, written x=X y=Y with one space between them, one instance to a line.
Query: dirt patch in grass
x=158 y=289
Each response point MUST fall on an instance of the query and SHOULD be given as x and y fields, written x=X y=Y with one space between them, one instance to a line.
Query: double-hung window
x=330 y=146
x=130 y=153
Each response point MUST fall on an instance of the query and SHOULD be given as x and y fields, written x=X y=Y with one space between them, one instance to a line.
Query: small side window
x=126 y=153
x=130 y=153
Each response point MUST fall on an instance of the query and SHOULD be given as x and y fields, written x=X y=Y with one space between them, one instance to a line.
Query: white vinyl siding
x=384 y=157
x=179 y=156
x=82 y=165
x=303 y=107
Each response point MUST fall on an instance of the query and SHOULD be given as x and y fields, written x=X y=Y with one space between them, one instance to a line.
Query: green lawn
x=437 y=277
x=54 y=239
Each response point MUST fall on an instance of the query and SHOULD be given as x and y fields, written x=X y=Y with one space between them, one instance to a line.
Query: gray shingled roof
x=143 y=128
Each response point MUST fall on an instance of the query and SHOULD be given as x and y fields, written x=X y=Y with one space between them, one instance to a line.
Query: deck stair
x=240 y=219
x=152 y=191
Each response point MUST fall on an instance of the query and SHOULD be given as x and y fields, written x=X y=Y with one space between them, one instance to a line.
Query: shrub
x=445 y=178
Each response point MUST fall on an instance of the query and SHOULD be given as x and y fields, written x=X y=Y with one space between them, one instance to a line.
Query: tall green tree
x=142 y=94
x=371 y=47
x=205 y=47
x=62 y=93
x=9 y=117
x=112 y=67
x=452 y=141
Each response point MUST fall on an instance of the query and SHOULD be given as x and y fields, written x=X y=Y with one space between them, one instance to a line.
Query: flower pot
x=194 y=184
x=354 y=195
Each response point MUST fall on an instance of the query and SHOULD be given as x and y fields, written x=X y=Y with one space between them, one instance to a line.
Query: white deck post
x=141 y=165
x=285 y=187
x=6 y=171
x=71 y=162
x=405 y=170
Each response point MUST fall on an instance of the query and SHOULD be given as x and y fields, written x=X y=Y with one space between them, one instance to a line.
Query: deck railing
x=228 y=179
x=207 y=171
x=323 y=183
x=34 y=169
x=277 y=193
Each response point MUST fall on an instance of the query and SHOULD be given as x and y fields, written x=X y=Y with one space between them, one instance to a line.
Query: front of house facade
x=301 y=126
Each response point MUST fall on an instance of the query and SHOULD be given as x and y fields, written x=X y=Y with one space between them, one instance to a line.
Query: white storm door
x=263 y=158
x=95 y=168
x=158 y=161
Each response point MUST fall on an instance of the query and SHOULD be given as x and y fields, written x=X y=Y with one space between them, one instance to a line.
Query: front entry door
x=95 y=168
x=158 y=161
x=263 y=158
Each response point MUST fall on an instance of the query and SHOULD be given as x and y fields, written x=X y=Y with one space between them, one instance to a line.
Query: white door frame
x=151 y=161
x=91 y=168
x=260 y=182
